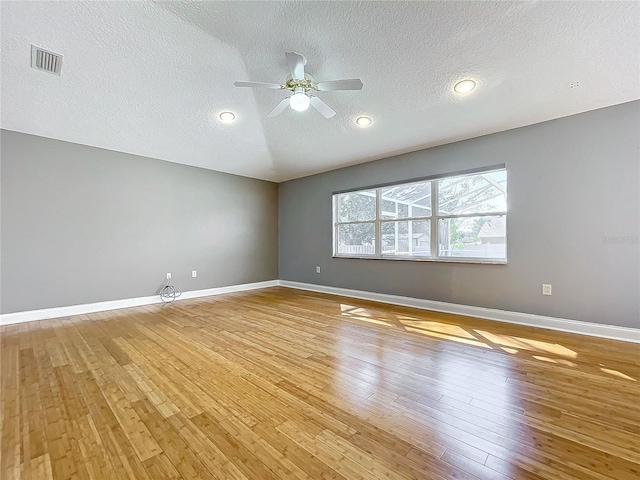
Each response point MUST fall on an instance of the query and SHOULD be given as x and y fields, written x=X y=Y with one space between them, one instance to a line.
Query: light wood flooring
x=282 y=383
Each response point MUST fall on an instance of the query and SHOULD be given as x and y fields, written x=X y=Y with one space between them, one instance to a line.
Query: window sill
x=477 y=261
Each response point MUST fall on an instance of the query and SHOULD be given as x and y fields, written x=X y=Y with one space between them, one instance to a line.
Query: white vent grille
x=45 y=60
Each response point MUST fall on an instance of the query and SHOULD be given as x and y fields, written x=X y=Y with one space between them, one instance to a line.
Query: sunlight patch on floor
x=369 y=320
x=442 y=336
x=510 y=350
x=527 y=344
x=616 y=373
x=560 y=361
x=438 y=327
x=475 y=337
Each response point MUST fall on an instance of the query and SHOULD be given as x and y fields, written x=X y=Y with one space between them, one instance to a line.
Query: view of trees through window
x=399 y=220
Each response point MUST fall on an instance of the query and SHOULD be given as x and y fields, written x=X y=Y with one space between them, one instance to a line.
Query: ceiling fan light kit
x=299 y=101
x=301 y=85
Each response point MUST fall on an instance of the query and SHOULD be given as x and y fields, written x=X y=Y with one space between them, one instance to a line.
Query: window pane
x=406 y=238
x=406 y=201
x=473 y=237
x=357 y=206
x=356 y=239
x=483 y=193
x=388 y=209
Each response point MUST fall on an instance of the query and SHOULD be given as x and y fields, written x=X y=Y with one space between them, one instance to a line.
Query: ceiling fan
x=301 y=84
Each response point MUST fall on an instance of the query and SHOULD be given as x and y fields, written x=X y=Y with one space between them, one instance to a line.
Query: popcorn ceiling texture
x=150 y=78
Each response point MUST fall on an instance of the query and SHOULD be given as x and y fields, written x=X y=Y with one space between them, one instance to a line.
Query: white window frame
x=434 y=220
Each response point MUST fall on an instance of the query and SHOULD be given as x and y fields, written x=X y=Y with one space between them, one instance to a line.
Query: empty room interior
x=320 y=240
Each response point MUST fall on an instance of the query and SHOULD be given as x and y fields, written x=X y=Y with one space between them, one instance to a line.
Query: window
x=453 y=218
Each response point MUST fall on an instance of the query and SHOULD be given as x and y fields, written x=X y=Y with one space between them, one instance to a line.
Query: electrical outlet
x=318 y=269
x=194 y=274
x=168 y=276
x=546 y=289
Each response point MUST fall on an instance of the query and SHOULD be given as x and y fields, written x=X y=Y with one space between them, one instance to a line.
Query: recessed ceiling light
x=464 y=86
x=227 y=117
x=363 y=122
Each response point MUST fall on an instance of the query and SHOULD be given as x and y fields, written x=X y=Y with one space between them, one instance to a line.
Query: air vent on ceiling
x=45 y=60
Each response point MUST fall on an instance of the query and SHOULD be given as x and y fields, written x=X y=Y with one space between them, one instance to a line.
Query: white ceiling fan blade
x=279 y=108
x=296 y=65
x=322 y=107
x=258 y=84
x=349 y=84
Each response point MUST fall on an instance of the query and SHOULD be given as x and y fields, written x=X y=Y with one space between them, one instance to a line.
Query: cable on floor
x=169 y=292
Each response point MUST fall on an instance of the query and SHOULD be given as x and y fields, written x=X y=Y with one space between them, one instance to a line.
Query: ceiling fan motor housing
x=293 y=84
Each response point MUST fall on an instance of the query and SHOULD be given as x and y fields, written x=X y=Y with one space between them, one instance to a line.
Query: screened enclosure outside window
x=459 y=217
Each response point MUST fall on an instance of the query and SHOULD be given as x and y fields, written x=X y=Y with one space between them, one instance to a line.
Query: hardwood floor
x=281 y=383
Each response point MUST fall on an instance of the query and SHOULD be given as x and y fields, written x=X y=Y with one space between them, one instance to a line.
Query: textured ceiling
x=150 y=78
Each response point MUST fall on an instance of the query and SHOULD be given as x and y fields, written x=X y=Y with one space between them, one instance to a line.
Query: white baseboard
x=561 y=324
x=552 y=323
x=57 y=312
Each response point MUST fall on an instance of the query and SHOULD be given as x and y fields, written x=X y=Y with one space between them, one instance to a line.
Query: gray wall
x=83 y=224
x=572 y=181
